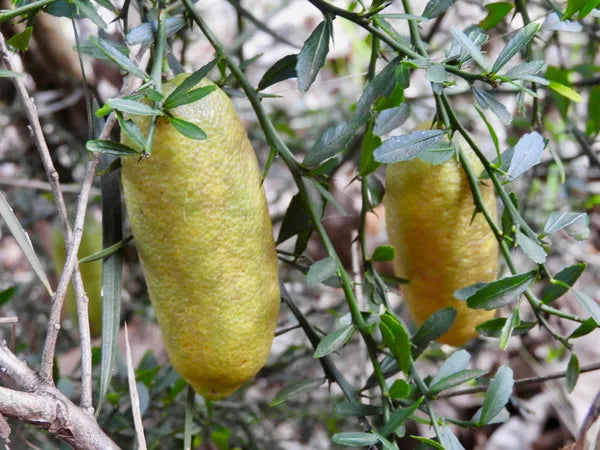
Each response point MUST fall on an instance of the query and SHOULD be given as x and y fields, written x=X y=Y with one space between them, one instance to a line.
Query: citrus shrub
x=91 y=273
x=202 y=229
x=440 y=245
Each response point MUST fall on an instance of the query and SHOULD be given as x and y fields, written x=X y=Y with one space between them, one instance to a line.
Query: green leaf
x=110 y=147
x=296 y=388
x=321 y=270
x=113 y=54
x=527 y=71
x=585 y=328
x=22 y=238
x=313 y=54
x=407 y=146
x=531 y=248
x=20 y=41
x=334 y=341
x=508 y=328
x=89 y=11
x=496 y=12
x=470 y=47
x=397 y=340
x=188 y=129
x=399 y=389
x=331 y=142
x=516 y=43
x=432 y=328
x=370 y=142
x=295 y=220
x=487 y=101
x=437 y=74
x=105 y=252
x=354 y=438
x=572 y=373
x=438 y=153
x=132 y=131
x=6 y=294
x=526 y=154
x=501 y=292
x=133 y=107
x=384 y=253
x=398 y=417
x=382 y=85
x=112 y=234
x=558 y=221
x=494 y=327
x=282 y=69
x=456 y=379
x=566 y=278
x=497 y=395
x=29 y=8
x=449 y=440
x=429 y=442
x=593 y=123
x=565 y=91
x=436 y=8
x=192 y=80
x=144 y=34
x=183 y=98
x=457 y=362
x=589 y=304
x=391 y=118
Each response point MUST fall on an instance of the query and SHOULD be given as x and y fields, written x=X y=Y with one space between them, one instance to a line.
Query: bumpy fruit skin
x=439 y=248
x=202 y=229
x=91 y=273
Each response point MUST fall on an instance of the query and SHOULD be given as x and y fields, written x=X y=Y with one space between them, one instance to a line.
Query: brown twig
x=30 y=399
x=42 y=185
x=72 y=238
x=521 y=381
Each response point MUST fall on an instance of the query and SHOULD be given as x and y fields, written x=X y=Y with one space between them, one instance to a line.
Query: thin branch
x=43 y=186
x=73 y=238
x=521 y=381
x=34 y=401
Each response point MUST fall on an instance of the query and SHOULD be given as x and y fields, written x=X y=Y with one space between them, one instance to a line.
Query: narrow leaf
x=497 y=395
x=390 y=119
x=354 y=438
x=589 y=304
x=557 y=221
x=313 y=55
x=192 y=80
x=321 y=270
x=516 y=43
x=565 y=91
x=407 y=146
x=469 y=46
x=531 y=248
x=398 y=417
x=183 y=98
x=110 y=147
x=133 y=107
x=527 y=153
x=508 y=328
x=112 y=233
x=334 y=341
x=567 y=276
x=434 y=326
x=112 y=53
x=501 y=292
x=487 y=101
x=494 y=327
x=188 y=129
x=572 y=373
x=23 y=241
x=496 y=12
x=383 y=253
x=455 y=379
x=296 y=388
x=282 y=69
x=436 y=8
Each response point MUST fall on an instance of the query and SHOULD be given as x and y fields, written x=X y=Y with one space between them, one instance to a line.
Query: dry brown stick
x=520 y=382
x=31 y=400
x=72 y=238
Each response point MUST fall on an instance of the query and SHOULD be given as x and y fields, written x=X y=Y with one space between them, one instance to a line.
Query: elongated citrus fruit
x=91 y=273
x=202 y=229
x=439 y=246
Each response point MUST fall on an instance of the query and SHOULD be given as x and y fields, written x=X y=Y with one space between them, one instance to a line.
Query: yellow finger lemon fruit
x=91 y=273
x=201 y=225
x=439 y=246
